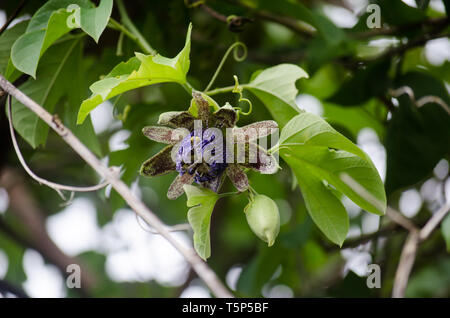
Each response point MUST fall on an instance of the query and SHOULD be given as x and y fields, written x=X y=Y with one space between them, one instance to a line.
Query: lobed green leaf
x=141 y=70
x=202 y=203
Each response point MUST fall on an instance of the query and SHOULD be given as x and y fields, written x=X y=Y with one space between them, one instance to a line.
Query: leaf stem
x=114 y=24
x=220 y=90
x=128 y=24
x=227 y=194
x=188 y=87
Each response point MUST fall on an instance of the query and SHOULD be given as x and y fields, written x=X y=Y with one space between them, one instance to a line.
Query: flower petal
x=237 y=177
x=257 y=130
x=176 y=188
x=160 y=134
x=159 y=164
x=214 y=184
x=262 y=161
x=202 y=107
x=182 y=119
x=225 y=117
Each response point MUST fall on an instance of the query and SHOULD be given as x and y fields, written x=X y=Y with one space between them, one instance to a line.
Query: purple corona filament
x=203 y=171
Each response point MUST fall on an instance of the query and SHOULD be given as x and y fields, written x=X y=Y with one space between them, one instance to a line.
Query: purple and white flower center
x=201 y=155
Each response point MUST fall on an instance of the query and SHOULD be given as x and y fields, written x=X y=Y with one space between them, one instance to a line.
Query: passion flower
x=202 y=154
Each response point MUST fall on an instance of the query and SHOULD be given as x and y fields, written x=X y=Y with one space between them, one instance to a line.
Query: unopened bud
x=263 y=218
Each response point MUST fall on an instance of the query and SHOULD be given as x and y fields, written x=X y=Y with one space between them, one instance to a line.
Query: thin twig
x=389 y=230
x=409 y=251
x=434 y=222
x=213 y=13
x=13 y=16
x=405 y=265
x=394 y=30
x=398 y=50
x=55 y=186
x=294 y=25
x=27 y=211
x=202 y=269
x=174 y=228
x=398 y=218
x=415 y=237
x=421 y=101
x=132 y=28
x=234 y=23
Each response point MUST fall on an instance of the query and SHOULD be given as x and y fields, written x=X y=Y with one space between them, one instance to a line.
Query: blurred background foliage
x=352 y=71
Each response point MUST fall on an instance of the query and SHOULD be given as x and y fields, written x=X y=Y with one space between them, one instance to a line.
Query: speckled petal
x=225 y=117
x=214 y=184
x=176 y=188
x=182 y=119
x=202 y=107
x=237 y=177
x=160 y=134
x=265 y=163
x=159 y=164
x=257 y=130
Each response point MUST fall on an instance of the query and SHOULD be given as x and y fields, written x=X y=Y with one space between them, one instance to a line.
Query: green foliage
x=417 y=138
x=319 y=157
x=93 y=21
x=139 y=71
x=293 y=47
x=201 y=203
x=365 y=84
x=53 y=20
x=6 y=41
x=43 y=91
x=275 y=87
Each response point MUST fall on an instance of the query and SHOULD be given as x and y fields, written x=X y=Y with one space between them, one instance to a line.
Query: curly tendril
x=237 y=58
x=238 y=90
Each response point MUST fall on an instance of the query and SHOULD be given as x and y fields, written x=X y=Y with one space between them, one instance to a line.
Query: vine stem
x=113 y=24
x=133 y=30
x=224 y=58
x=201 y=268
x=221 y=90
x=56 y=186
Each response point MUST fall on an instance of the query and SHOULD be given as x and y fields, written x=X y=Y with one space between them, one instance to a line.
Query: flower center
x=198 y=156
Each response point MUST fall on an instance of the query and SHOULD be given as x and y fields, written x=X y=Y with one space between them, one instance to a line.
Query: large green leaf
x=53 y=20
x=329 y=165
x=46 y=91
x=202 y=203
x=93 y=21
x=323 y=206
x=7 y=39
x=310 y=129
x=397 y=12
x=416 y=138
x=138 y=71
x=372 y=81
x=319 y=156
x=75 y=84
x=275 y=86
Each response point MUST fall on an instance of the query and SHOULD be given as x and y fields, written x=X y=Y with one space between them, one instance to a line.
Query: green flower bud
x=263 y=218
